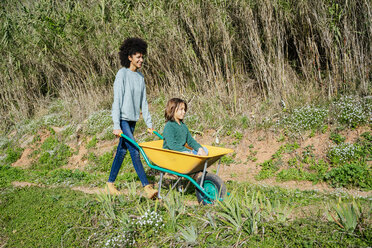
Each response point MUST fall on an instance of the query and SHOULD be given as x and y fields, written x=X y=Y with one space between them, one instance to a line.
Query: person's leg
x=206 y=150
x=196 y=152
x=120 y=154
x=118 y=160
x=134 y=153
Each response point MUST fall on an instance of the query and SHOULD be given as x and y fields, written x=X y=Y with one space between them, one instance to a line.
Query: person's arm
x=191 y=141
x=145 y=109
x=169 y=138
x=119 y=90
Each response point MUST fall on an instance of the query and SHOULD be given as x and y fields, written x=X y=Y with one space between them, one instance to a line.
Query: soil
x=260 y=145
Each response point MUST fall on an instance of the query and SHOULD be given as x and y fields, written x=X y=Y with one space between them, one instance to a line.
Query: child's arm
x=192 y=142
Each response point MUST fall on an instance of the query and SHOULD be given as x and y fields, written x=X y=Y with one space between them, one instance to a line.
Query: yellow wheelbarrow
x=209 y=187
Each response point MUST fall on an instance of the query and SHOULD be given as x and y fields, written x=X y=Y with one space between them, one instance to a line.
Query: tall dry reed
x=236 y=52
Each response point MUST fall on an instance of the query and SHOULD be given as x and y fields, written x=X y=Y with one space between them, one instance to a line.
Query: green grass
x=53 y=217
x=42 y=217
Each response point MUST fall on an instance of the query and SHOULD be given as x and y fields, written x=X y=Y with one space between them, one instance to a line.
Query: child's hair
x=172 y=106
x=129 y=47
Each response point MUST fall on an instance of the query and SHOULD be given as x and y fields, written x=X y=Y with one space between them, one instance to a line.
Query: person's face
x=180 y=112
x=136 y=61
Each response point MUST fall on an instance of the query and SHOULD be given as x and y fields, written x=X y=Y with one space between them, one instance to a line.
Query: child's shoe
x=150 y=191
x=112 y=190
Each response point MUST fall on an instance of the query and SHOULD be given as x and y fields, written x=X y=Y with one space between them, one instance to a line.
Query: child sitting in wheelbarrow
x=176 y=134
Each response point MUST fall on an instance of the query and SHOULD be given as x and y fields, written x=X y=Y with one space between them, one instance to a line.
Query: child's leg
x=118 y=160
x=204 y=148
x=134 y=153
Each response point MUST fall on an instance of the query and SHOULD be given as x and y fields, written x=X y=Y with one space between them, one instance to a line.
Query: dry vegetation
x=236 y=53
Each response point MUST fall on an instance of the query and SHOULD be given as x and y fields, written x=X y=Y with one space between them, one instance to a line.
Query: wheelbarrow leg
x=204 y=171
x=174 y=185
x=159 y=184
x=218 y=167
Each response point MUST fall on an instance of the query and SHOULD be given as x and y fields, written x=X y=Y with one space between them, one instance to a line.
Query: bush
x=12 y=154
x=53 y=154
x=98 y=121
x=353 y=174
x=337 y=138
x=345 y=152
x=304 y=118
x=351 y=111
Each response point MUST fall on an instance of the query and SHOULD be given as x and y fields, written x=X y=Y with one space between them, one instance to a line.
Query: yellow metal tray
x=178 y=161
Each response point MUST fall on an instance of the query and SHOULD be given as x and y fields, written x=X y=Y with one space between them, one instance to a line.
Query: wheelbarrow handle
x=155 y=132
x=158 y=134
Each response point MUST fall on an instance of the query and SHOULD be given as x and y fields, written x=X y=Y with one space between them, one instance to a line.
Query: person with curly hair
x=129 y=100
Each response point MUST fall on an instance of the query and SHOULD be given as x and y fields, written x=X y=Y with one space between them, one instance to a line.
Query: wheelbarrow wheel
x=214 y=186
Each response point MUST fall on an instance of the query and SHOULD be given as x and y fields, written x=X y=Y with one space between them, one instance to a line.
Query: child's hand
x=201 y=152
x=117 y=132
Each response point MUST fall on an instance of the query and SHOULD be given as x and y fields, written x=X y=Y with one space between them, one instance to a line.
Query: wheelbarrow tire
x=214 y=186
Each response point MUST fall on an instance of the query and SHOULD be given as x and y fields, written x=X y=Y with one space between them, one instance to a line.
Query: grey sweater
x=129 y=98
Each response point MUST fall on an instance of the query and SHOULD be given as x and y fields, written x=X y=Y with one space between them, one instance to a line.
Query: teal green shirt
x=176 y=136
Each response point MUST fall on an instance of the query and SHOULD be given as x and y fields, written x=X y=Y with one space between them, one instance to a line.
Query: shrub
x=337 y=138
x=102 y=163
x=9 y=174
x=53 y=154
x=344 y=152
x=352 y=174
x=304 y=118
x=98 y=121
x=351 y=111
x=12 y=154
x=269 y=167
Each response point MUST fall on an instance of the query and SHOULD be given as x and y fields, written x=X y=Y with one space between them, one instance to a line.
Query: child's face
x=180 y=112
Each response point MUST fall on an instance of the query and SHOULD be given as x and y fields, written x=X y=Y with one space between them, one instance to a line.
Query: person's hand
x=150 y=130
x=117 y=132
x=201 y=152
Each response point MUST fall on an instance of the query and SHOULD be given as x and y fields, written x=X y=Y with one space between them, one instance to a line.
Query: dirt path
x=256 y=146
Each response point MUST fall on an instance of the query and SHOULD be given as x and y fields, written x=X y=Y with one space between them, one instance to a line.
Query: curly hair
x=129 y=47
x=172 y=107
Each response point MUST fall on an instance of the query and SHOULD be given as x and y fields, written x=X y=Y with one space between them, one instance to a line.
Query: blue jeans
x=196 y=152
x=128 y=128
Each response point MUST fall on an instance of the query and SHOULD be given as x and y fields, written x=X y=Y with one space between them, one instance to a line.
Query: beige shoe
x=112 y=190
x=150 y=191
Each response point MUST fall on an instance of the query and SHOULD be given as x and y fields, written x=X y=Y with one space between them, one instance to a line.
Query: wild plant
x=52 y=154
x=175 y=206
x=240 y=215
x=277 y=210
x=132 y=190
x=350 y=174
x=336 y=138
x=149 y=223
x=120 y=238
x=98 y=121
x=54 y=119
x=189 y=234
x=348 y=214
x=107 y=200
x=304 y=118
x=344 y=152
x=351 y=111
